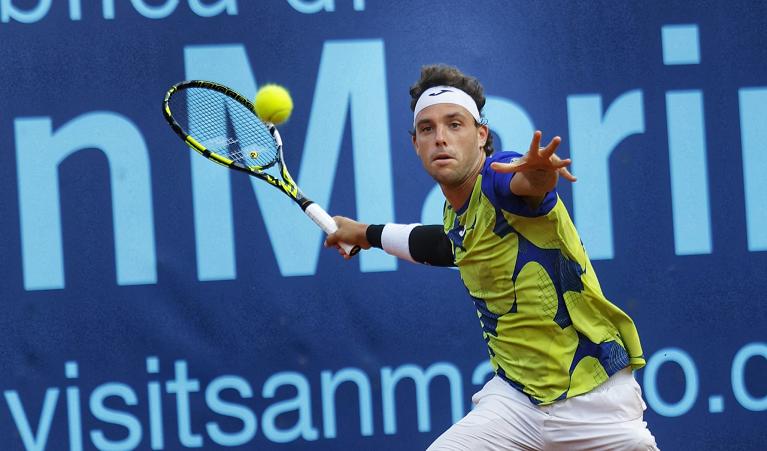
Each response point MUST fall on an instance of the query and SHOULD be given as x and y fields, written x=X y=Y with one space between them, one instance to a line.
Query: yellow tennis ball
x=273 y=104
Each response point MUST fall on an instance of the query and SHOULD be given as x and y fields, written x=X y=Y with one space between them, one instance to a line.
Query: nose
x=439 y=135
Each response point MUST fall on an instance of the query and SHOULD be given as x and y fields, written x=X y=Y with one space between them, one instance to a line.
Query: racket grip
x=326 y=223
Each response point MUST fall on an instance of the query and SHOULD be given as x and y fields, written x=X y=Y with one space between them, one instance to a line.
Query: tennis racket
x=222 y=126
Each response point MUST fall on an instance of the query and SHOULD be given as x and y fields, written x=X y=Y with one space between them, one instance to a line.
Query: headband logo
x=438 y=93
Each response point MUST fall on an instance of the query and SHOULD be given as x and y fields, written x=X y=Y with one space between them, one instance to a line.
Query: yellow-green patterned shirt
x=550 y=331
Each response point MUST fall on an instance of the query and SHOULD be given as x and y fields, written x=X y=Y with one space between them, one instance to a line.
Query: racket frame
x=286 y=184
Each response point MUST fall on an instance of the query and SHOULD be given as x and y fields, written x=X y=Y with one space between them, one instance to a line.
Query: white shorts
x=606 y=418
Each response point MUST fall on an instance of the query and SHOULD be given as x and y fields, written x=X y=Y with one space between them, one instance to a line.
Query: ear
x=483 y=132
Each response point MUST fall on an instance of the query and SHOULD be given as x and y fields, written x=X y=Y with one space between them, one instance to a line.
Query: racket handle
x=326 y=223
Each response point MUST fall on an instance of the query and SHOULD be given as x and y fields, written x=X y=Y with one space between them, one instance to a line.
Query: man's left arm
x=537 y=172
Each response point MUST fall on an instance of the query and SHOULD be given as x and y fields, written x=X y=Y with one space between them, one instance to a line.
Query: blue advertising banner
x=152 y=300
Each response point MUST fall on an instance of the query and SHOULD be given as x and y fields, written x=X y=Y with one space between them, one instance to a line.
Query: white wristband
x=395 y=240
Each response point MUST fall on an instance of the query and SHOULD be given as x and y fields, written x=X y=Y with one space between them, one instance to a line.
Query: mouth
x=441 y=157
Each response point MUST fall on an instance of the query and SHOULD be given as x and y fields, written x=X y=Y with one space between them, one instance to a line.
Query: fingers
x=536 y=151
x=551 y=147
x=342 y=253
x=567 y=175
x=349 y=232
x=331 y=240
x=557 y=162
x=506 y=168
x=539 y=158
x=535 y=143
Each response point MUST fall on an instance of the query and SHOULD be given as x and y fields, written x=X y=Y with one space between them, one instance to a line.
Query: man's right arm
x=417 y=243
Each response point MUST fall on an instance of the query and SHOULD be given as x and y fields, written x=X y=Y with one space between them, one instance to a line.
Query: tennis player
x=563 y=354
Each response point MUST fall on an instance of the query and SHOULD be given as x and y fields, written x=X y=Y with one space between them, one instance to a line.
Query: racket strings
x=228 y=128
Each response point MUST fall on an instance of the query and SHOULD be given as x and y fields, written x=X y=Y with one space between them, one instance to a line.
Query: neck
x=457 y=195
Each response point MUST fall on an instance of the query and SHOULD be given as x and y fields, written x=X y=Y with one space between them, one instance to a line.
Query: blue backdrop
x=151 y=301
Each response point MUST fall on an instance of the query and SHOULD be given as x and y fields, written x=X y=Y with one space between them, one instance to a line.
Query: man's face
x=449 y=143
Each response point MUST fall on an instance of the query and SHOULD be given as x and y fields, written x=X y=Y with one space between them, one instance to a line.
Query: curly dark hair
x=444 y=75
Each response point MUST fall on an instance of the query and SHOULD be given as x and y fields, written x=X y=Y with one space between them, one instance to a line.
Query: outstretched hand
x=538 y=158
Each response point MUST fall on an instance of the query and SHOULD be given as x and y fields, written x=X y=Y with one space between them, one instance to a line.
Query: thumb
x=507 y=167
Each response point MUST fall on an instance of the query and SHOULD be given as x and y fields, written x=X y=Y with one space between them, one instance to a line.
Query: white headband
x=446 y=94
